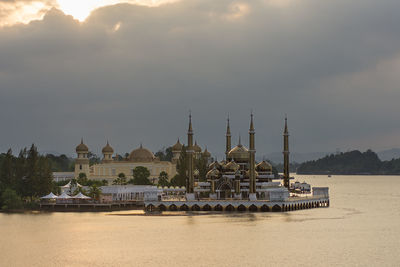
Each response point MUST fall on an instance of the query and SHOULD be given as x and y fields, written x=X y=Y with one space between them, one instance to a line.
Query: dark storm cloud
x=131 y=73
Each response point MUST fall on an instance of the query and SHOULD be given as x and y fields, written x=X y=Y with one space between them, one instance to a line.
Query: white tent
x=50 y=196
x=81 y=196
x=63 y=196
x=69 y=185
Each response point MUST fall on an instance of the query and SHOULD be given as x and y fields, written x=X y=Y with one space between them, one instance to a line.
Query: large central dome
x=239 y=152
x=141 y=155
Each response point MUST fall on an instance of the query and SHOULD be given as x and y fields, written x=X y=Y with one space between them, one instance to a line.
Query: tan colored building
x=109 y=168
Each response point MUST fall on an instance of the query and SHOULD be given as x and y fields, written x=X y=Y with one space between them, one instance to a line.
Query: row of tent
x=65 y=196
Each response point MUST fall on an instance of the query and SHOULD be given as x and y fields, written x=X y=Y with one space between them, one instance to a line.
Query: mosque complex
x=236 y=183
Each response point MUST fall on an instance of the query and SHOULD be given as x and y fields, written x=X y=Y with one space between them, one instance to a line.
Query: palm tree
x=95 y=192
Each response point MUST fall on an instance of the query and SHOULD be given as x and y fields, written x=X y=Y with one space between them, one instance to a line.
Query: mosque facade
x=110 y=167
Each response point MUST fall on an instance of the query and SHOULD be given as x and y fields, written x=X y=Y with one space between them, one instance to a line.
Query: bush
x=11 y=200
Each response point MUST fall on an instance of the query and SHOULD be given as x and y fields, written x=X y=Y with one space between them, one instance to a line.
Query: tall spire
x=286 y=129
x=228 y=127
x=286 y=170
x=228 y=142
x=251 y=122
x=252 y=160
x=240 y=141
x=190 y=122
x=190 y=180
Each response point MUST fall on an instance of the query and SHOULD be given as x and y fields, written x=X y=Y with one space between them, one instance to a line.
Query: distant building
x=110 y=167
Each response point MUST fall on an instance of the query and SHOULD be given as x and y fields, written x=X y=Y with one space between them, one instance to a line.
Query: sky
x=130 y=71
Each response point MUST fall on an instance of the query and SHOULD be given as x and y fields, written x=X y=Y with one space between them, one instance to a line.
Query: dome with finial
x=239 y=152
x=82 y=147
x=231 y=166
x=247 y=174
x=196 y=148
x=264 y=166
x=141 y=154
x=177 y=147
x=206 y=154
x=213 y=165
x=213 y=173
x=107 y=149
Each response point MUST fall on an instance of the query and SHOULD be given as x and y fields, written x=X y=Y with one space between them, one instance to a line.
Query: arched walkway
x=173 y=207
x=184 y=207
x=230 y=208
x=218 y=208
x=253 y=208
x=276 y=208
x=162 y=207
x=195 y=207
x=241 y=208
x=264 y=208
x=207 y=207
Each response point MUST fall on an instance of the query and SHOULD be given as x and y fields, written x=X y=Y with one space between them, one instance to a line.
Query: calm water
x=361 y=228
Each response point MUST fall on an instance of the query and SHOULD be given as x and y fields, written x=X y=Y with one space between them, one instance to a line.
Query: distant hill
x=353 y=162
x=277 y=157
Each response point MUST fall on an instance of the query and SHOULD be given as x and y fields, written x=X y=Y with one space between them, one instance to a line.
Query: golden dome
x=206 y=154
x=141 y=155
x=214 y=173
x=247 y=174
x=264 y=166
x=196 y=148
x=82 y=147
x=239 y=152
x=107 y=149
x=231 y=167
x=177 y=147
x=215 y=165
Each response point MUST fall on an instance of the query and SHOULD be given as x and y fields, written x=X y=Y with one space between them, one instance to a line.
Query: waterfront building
x=110 y=167
x=239 y=176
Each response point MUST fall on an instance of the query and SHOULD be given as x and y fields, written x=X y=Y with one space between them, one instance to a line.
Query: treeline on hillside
x=25 y=177
x=353 y=162
x=60 y=163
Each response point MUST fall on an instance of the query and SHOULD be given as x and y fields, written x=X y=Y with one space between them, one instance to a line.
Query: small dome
x=177 y=147
x=196 y=148
x=264 y=166
x=82 y=147
x=215 y=165
x=214 y=173
x=231 y=167
x=141 y=155
x=107 y=149
x=247 y=174
x=206 y=154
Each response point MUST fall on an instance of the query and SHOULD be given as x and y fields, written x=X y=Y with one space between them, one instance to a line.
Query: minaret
x=190 y=152
x=286 y=182
x=228 y=139
x=252 y=161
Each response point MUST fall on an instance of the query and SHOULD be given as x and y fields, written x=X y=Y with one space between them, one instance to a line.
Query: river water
x=360 y=228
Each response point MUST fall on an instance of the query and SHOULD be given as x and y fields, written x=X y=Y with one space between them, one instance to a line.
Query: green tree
x=95 y=192
x=141 y=176
x=201 y=165
x=121 y=180
x=7 y=172
x=82 y=179
x=93 y=158
x=11 y=200
x=181 y=178
x=163 y=179
x=165 y=154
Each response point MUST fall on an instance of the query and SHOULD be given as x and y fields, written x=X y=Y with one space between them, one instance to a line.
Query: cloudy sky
x=130 y=71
